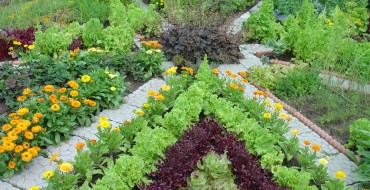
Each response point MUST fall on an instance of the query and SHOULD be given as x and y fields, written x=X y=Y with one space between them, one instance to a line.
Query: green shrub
x=262 y=25
x=359 y=134
x=88 y=9
x=267 y=77
x=297 y=82
x=118 y=13
x=118 y=38
x=92 y=34
x=144 y=21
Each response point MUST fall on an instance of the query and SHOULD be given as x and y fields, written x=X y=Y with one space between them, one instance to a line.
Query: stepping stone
x=7 y=186
x=32 y=174
x=66 y=149
x=253 y=48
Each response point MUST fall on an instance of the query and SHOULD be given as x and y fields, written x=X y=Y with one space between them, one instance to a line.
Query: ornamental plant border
x=337 y=145
x=176 y=126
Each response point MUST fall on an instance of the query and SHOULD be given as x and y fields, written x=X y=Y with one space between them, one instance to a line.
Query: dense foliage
x=192 y=43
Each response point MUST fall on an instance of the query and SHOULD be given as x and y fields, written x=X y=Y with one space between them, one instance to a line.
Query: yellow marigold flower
x=316 y=147
x=28 y=135
x=26 y=91
x=139 y=112
x=31 y=47
x=234 y=76
x=149 y=52
x=92 y=141
x=36 y=129
x=53 y=157
x=76 y=50
x=26 y=145
x=9 y=146
x=165 y=87
x=33 y=151
x=278 y=106
x=171 y=70
x=152 y=93
x=23 y=111
x=49 y=88
x=340 y=174
x=76 y=104
x=146 y=105
x=73 y=84
x=113 y=89
x=6 y=127
x=55 y=101
x=11 y=48
x=215 y=71
x=160 y=97
x=267 y=103
x=14 y=122
x=103 y=118
x=65 y=167
x=267 y=115
x=34 y=188
x=72 y=53
x=74 y=93
x=116 y=129
x=295 y=132
x=48 y=174
x=105 y=124
x=323 y=161
x=39 y=100
x=234 y=86
x=53 y=97
x=26 y=156
x=18 y=148
x=11 y=165
x=85 y=78
x=228 y=72
x=55 y=107
x=80 y=145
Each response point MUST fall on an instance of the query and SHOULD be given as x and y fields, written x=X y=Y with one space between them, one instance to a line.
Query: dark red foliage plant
x=181 y=159
x=26 y=37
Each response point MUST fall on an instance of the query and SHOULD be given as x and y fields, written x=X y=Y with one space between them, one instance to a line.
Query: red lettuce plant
x=26 y=37
x=181 y=159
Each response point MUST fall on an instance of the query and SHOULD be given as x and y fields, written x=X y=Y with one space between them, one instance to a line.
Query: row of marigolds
x=48 y=115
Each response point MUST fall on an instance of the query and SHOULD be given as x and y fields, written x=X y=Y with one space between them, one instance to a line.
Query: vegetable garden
x=209 y=125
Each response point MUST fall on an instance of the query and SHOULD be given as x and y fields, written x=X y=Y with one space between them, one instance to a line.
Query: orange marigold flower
x=40 y=100
x=234 y=76
x=11 y=165
x=80 y=145
x=55 y=101
x=63 y=98
x=127 y=122
x=55 y=107
x=244 y=81
x=74 y=93
x=21 y=98
x=53 y=97
x=73 y=84
x=38 y=115
x=28 y=135
x=92 y=141
x=241 y=89
x=316 y=147
x=33 y=151
x=6 y=127
x=234 y=86
x=18 y=148
x=36 y=129
x=62 y=90
x=228 y=72
x=243 y=73
x=92 y=103
x=160 y=97
x=215 y=71
x=76 y=104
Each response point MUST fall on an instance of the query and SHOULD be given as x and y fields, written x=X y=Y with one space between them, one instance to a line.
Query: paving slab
x=32 y=174
x=256 y=7
x=253 y=48
x=66 y=149
x=90 y=132
x=139 y=97
x=7 y=186
x=236 y=27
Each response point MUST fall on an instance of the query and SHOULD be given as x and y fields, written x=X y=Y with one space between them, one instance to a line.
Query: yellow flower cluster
x=188 y=69
x=104 y=123
x=151 y=44
x=97 y=50
x=171 y=70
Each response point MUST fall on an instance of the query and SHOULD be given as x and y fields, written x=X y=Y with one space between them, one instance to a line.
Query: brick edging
x=337 y=145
